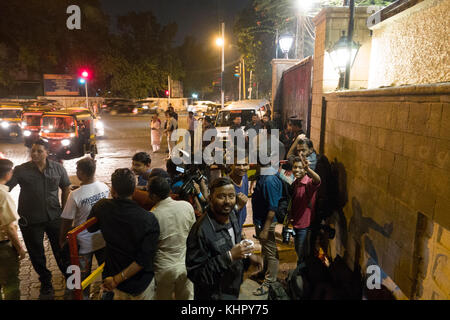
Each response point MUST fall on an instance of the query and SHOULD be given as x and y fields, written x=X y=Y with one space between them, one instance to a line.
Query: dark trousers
x=33 y=236
x=9 y=272
x=301 y=243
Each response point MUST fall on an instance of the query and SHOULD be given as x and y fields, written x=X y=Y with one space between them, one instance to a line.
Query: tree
x=199 y=65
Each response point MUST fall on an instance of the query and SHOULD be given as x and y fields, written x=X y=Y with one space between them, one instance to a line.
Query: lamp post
x=304 y=7
x=221 y=43
x=286 y=41
x=343 y=54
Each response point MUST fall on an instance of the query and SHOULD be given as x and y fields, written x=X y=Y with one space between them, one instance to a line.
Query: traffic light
x=84 y=73
x=167 y=93
x=237 y=71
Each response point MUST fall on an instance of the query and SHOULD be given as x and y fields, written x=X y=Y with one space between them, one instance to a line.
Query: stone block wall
x=412 y=47
x=392 y=148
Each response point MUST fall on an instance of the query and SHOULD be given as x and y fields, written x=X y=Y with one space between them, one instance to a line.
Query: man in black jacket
x=214 y=252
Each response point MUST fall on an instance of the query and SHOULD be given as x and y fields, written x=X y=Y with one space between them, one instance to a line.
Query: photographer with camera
x=188 y=184
x=305 y=188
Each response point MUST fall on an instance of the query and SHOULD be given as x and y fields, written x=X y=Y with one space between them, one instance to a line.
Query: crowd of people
x=163 y=233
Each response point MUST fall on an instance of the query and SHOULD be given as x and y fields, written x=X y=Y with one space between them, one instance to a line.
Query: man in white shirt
x=175 y=220
x=76 y=211
x=11 y=250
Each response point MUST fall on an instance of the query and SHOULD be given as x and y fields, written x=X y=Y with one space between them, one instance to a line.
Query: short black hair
x=190 y=112
x=296 y=122
x=307 y=141
x=5 y=167
x=41 y=142
x=158 y=172
x=208 y=119
x=171 y=167
x=295 y=159
x=87 y=166
x=123 y=181
x=219 y=182
x=143 y=157
x=159 y=186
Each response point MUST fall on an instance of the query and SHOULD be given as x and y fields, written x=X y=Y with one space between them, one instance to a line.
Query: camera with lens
x=287 y=233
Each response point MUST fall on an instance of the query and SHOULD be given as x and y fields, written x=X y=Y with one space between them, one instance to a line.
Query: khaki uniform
x=9 y=261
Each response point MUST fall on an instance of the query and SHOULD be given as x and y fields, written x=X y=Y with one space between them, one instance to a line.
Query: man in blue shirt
x=238 y=176
x=141 y=166
x=265 y=198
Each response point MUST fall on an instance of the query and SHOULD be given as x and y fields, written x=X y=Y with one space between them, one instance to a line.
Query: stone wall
x=392 y=150
x=421 y=51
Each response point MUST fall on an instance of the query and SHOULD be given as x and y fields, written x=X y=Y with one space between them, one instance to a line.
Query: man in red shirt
x=306 y=184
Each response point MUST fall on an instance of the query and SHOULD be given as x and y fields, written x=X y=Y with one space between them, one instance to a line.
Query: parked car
x=245 y=109
x=11 y=121
x=199 y=108
x=119 y=106
x=148 y=107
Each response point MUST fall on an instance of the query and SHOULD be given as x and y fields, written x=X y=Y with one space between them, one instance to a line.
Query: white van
x=245 y=109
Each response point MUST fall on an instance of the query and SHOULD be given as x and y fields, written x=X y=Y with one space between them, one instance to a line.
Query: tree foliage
x=133 y=60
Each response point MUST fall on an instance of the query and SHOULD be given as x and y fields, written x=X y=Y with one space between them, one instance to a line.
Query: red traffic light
x=167 y=93
x=85 y=73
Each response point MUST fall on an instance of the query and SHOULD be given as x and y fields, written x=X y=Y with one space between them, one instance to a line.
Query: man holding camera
x=215 y=249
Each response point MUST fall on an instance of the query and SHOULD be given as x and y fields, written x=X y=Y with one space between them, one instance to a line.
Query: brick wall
x=393 y=148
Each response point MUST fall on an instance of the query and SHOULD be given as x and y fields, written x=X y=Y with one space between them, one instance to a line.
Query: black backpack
x=285 y=202
x=298 y=286
x=277 y=292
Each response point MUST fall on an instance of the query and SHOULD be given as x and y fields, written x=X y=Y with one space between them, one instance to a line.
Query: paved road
x=124 y=136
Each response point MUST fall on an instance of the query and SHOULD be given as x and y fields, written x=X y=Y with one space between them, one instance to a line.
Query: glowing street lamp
x=285 y=42
x=221 y=43
x=340 y=56
x=195 y=96
x=305 y=5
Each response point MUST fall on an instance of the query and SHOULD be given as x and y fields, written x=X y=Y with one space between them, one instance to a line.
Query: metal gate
x=294 y=93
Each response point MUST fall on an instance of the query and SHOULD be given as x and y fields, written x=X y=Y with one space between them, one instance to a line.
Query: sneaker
x=46 y=292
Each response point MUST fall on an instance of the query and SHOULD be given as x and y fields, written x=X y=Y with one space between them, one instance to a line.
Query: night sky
x=199 y=18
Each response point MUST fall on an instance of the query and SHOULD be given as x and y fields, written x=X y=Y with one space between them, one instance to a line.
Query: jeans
x=301 y=243
x=9 y=272
x=33 y=236
x=86 y=266
x=269 y=253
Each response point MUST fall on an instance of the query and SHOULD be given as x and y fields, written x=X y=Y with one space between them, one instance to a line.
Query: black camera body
x=188 y=175
x=287 y=233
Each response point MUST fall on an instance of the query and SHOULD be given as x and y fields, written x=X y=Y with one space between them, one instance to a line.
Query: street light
x=286 y=41
x=194 y=96
x=340 y=56
x=305 y=5
x=221 y=43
